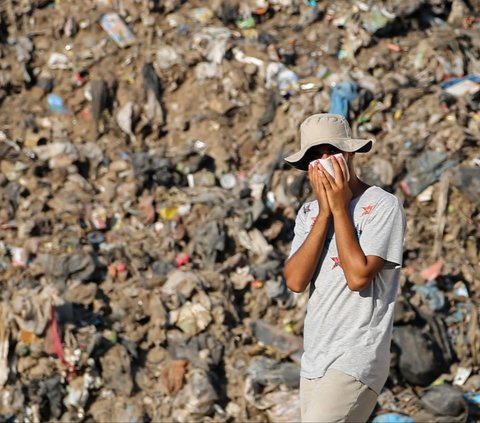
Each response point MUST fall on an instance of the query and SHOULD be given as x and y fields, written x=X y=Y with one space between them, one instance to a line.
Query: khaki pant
x=335 y=397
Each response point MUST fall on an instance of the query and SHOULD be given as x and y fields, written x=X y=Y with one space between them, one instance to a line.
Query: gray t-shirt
x=347 y=330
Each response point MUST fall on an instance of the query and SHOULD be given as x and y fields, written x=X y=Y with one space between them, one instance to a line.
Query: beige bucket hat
x=326 y=128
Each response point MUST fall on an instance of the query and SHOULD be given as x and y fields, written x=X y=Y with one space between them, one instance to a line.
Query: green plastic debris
x=246 y=23
x=376 y=19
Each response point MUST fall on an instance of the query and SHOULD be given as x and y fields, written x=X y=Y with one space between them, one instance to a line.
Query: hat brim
x=347 y=145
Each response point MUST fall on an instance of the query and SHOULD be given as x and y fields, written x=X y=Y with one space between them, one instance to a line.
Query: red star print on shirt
x=336 y=262
x=368 y=209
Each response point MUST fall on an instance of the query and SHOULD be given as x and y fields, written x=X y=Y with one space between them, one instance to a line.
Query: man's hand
x=319 y=189
x=337 y=189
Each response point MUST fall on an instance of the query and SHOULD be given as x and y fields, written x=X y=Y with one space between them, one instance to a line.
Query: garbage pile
x=146 y=210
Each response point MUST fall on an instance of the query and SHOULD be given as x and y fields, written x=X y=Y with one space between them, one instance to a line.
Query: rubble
x=146 y=210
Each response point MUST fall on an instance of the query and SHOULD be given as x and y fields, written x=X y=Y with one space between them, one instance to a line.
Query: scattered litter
x=147 y=211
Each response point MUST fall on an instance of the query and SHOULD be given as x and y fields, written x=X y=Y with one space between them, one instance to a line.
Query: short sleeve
x=384 y=232
x=301 y=230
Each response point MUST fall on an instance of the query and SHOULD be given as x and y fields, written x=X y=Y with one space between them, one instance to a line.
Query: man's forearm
x=352 y=258
x=300 y=268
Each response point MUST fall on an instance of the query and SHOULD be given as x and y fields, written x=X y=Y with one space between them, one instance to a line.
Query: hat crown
x=326 y=128
x=323 y=126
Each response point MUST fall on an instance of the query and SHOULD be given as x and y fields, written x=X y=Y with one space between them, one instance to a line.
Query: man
x=348 y=247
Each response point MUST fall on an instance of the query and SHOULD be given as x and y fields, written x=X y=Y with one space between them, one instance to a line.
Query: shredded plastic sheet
x=4 y=344
x=53 y=341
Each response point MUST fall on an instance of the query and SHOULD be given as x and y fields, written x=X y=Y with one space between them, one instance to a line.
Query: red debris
x=432 y=272
x=53 y=341
x=182 y=259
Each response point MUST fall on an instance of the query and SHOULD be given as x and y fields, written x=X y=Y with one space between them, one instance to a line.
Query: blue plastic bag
x=342 y=94
x=55 y=103
x=393 y=418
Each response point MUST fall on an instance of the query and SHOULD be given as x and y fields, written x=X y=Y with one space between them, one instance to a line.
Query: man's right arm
x=300 y=267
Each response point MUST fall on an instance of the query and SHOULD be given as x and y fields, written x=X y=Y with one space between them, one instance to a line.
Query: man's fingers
x=329 y=178
x=326 y=180
x=338 y=166
x=315 y=181
x=313 y=174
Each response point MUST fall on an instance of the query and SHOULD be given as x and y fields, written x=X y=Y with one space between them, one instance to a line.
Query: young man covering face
x=348 y=248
